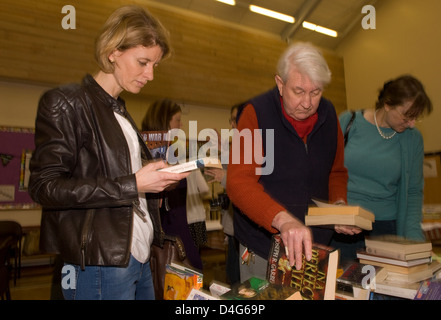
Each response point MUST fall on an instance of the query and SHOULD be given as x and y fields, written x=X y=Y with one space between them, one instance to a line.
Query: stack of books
x=407 y=263
x=331 y=215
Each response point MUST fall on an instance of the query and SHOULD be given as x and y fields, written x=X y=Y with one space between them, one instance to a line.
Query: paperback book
x=392 y=288
x=397 y=244
x=260 y=289
x=397 y=262
x=193 y=165
x=179 y=281
x=328 y=215
x=218 y=288
x=330 y=209
x=334 y=219
x=394 y=254
x=396 y=268
x=200 y=295
x=417 y=276
x=360 y=275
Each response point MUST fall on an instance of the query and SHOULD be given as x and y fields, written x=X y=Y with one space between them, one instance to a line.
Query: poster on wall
x=16 y=145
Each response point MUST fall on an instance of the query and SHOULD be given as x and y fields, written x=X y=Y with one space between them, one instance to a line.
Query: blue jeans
x=133 y=282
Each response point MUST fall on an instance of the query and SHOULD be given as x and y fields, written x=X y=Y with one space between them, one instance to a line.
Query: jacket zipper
x=85 y=235
x=137 y=208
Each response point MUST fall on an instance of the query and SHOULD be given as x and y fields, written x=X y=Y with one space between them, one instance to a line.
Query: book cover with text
x=316 y=280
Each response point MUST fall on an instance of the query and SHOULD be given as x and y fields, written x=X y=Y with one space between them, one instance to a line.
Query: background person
x=182 y=213
x=220 y=175
x=384 y=157
x=87 y=169
x=162 y=115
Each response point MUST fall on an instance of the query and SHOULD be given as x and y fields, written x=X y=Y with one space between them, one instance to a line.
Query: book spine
x=181 y=167
x=386 y=253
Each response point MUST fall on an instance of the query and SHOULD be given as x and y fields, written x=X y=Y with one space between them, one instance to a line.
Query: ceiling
x=339 y=15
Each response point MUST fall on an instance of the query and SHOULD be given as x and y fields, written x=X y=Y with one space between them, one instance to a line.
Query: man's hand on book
x=150 y=180
x=296 y=237
x=349 y=230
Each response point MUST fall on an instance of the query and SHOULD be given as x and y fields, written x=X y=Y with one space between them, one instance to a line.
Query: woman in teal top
x=384 y=157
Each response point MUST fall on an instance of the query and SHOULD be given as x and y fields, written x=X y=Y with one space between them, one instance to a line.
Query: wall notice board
x=16 y=146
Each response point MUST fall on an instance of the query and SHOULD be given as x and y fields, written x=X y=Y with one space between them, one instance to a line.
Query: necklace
x=379 y=130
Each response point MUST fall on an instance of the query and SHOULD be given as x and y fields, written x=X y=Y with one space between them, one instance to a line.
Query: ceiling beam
x=357 y=18
x=303 y=13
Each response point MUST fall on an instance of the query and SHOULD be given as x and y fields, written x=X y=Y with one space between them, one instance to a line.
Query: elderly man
x=308 y=162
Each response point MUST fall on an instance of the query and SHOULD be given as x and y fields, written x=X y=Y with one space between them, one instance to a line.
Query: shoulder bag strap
x=348 y=127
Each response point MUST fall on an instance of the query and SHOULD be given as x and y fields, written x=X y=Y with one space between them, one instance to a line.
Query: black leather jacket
x=81 y=175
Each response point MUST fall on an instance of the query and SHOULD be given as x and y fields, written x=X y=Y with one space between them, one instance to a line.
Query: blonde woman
x=87 y=169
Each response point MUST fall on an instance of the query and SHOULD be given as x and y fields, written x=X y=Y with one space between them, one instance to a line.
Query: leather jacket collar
x=118 y=105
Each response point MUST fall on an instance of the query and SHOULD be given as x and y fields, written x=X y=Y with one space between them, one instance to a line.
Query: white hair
x=306 y=59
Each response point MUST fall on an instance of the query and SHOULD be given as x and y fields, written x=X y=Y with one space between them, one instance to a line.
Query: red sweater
x=256 y=203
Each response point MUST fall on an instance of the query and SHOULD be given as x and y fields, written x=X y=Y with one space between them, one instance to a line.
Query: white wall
x=406 y=40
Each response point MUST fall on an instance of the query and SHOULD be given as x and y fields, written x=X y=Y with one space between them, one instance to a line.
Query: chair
x=5 y=248
x=14 y=229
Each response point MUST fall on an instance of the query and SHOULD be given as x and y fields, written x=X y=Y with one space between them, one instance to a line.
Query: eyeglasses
x=408 y=119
